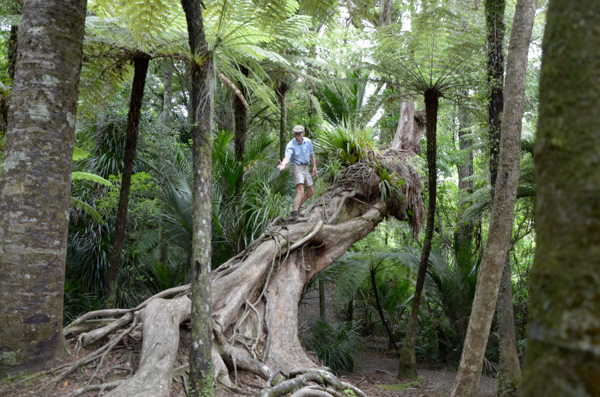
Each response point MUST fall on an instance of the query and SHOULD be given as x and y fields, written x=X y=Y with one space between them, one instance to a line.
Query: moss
x=401 y=386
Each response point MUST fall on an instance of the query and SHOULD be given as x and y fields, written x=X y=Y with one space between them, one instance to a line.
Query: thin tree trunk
x=494 y=10
x=385 y=12
x=281 y=91
x=465 y=172
x=140 y=65
x=562 y=357
x=509 y=376
x=36 y=183
x=11 y=53
x=241 y=125
x=509 y=370
x=408 y=360
x=201 y=365
x=322 y=313
x=392 y=342
x=503 y=206
x=168 y=93
x=350 y=315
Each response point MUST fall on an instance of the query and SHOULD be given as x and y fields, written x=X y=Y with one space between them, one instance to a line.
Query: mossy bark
x=563 y=351
x=503 y=206
x=408 y=360
x=140 y=65
x=36 y=183
x=494 y=15
x=201 y=367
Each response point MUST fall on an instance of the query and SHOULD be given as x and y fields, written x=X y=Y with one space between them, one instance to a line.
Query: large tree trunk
x=201 y=364
x=36 y=183
x=255 y=295
x=140 y=65
x=503 y=206
x=408 y=360
x=562 y=357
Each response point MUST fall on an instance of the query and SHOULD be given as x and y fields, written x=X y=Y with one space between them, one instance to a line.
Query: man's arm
x=313 y=160
x=283 y=163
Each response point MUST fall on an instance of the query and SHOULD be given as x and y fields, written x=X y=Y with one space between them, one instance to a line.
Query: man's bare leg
x=309 y=193
x=299 y=196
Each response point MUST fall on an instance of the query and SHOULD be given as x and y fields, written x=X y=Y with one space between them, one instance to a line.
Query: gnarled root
x=255 y=298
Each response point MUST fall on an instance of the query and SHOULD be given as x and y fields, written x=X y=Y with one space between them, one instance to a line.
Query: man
x=299 y=151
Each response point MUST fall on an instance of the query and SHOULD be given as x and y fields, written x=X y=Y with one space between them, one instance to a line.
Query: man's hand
x=281 y=166
x=314 y=172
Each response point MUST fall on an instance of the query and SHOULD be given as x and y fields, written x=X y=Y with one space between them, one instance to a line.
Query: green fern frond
x=86 y=176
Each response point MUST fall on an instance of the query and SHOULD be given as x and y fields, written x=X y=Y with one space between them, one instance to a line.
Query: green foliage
x=344 y=145
x=333 y=344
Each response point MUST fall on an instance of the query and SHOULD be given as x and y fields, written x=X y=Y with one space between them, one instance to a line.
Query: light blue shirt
x=299 y=153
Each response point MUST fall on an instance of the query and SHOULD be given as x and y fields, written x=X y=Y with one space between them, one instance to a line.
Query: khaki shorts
x=300 y=175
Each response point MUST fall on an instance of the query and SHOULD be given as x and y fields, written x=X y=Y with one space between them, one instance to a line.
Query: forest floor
x=375 y=371
x=375 y=374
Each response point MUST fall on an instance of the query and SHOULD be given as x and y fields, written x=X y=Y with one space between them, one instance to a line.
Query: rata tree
x=436 y=60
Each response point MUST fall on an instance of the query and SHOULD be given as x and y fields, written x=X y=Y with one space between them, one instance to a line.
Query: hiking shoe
x=293 y=215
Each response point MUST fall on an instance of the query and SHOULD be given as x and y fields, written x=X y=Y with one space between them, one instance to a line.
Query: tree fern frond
x=87 y=176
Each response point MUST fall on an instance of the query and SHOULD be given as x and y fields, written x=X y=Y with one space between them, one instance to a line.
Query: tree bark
x=168 y=92
x=408 y=360
x=282 y=89
x=241 y=125
x=503 y=206
x=201 y=364
x=385 y=12
x=509 y=369
x=562 y=357
x=465 y=172
x=140 y=65
x=322 y=312
x=494 y=11
x=36 y=183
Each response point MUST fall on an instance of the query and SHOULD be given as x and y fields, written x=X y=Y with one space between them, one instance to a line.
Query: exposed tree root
x=255 y=297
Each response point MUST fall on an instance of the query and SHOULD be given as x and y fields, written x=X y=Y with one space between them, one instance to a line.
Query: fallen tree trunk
x=255 y=295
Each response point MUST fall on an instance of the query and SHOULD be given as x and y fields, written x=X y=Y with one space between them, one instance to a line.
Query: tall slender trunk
x=281 y=91
x=241 y=125
x=494 y=10
x=465 y=172
x=201 y=366
x=36 y=183
x=385 y=12
x=408 y=360
x=140 y=65
x=322 y=313
x=509 y=371
x=503 y=206
x=562 y=357
x=392 y=341
x=168 y=93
